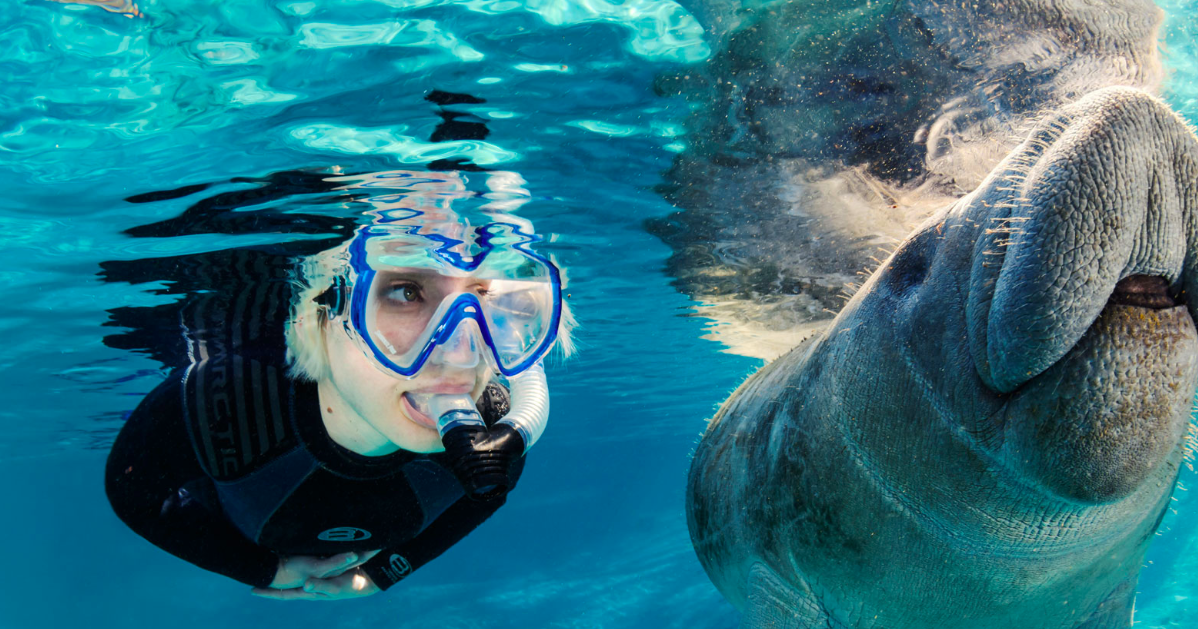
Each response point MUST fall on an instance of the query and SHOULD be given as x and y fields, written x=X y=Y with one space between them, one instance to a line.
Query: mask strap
x=333 y=298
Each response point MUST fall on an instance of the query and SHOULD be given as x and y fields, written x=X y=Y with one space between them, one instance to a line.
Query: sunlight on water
x=416 y=33
x=184 y=66
x=1179 y=38
x=405 y=149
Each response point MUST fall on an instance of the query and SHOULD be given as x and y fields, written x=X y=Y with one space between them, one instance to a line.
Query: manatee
x=987 y=432
x=987 y=435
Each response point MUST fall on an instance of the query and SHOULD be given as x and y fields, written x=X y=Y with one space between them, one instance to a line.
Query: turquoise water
x=96 y=107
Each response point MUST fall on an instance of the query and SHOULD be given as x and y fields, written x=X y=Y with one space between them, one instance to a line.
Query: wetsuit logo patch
x=344 y=534
x=397 y=568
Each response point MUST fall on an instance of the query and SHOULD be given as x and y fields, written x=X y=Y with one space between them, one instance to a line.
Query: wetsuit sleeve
x=394 y=564
x=158 y=488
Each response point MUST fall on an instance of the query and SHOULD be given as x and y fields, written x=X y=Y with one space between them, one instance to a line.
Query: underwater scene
x=306 y=298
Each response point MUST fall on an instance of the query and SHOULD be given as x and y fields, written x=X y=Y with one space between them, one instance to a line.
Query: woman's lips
x=448 y=388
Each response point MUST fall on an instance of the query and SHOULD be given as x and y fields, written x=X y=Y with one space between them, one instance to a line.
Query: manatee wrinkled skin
x=989 y=432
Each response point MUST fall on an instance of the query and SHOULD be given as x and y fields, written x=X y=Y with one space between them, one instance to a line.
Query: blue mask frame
x=466 y=306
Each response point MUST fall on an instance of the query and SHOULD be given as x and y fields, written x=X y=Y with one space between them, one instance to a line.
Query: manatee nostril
x=1144 y=291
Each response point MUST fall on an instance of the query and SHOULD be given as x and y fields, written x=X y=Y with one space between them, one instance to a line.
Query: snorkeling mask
x=406 y=299
x=410 y=298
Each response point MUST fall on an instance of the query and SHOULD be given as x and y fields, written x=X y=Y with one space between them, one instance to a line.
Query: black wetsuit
x=227 y=463
x=233 y=495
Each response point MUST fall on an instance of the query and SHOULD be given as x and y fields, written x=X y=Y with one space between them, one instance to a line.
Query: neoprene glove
x=483 y=459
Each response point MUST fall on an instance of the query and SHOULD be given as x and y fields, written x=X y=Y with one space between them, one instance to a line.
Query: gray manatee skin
x=825 y=131
x=989 y=432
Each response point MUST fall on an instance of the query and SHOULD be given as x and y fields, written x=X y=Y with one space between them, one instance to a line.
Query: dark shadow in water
x=215 y=286
x=235 y=212
x=459 y=126
x=456 y=125
x=450 y=98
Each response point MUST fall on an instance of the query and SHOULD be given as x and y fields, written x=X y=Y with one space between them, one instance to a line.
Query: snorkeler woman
x=380 y=441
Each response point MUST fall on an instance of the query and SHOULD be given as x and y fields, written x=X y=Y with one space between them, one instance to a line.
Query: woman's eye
x=404 y=293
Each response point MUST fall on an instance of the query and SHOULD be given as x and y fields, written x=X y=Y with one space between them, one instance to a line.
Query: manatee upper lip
x=1093 y=211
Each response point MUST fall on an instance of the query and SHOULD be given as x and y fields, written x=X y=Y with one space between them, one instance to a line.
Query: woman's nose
x=461 y=348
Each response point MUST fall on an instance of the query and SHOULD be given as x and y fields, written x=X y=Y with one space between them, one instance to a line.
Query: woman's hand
x=320 y=579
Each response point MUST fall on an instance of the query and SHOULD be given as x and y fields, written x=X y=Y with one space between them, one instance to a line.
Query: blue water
x=95 y=107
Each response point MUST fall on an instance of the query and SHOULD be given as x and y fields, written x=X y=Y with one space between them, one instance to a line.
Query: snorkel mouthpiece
x=449 y=411
x=478 y=466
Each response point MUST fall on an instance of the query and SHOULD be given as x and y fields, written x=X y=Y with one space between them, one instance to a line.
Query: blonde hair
x=307 y=355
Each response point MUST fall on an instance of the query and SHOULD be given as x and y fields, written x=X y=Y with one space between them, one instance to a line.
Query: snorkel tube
x=530 y=404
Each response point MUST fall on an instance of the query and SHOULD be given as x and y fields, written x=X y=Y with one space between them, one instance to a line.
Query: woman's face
x=370 y=403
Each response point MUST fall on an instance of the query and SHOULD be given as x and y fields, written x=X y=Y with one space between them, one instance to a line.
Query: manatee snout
x=1102 y=191
x=1081 y=295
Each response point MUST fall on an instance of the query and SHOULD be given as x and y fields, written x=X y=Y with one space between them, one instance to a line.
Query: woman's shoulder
x=239 y=413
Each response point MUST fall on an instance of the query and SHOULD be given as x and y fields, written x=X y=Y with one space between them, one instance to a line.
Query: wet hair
x=307 y=357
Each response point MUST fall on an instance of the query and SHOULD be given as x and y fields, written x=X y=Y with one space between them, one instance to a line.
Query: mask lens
x=519 y=315
x=399 y=308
